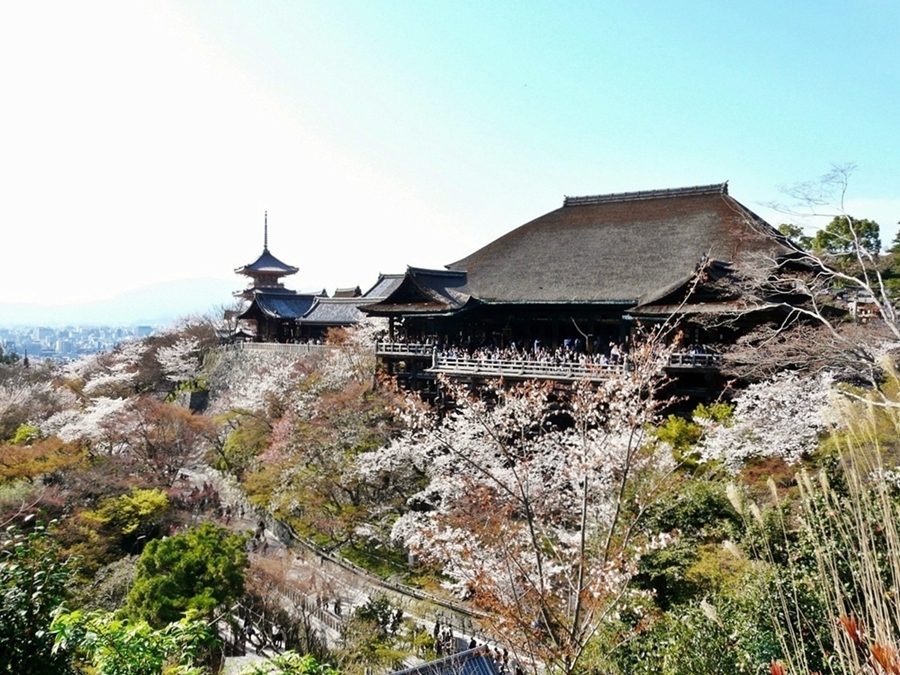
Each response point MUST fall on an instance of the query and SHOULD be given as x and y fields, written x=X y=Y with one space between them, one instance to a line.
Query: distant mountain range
x=157 y=305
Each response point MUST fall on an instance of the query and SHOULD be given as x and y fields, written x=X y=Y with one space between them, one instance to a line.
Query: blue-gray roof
x=384 y=286
x=471 y=662
x=334 y=312
x=280 y=305
x=267 y=263
x=424 y=291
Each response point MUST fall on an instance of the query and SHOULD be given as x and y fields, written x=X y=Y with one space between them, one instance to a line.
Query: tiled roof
x=334 y=312
x=629 y=248
x=471 y=662
x=424 y=291
x=347 y=292
x=384 y=286
x=280 y=305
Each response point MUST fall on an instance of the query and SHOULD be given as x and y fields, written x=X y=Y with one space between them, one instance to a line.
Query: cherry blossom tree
x=532 y=498
x=783 y=416
x=180 y=361
x=100 y=424
x=353 y=356
x=165 y=437
x=29 y=396
x=113 y=374
x=249 y=382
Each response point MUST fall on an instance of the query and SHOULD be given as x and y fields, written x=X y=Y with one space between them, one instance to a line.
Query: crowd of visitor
x=569 y=352
x=446 y=643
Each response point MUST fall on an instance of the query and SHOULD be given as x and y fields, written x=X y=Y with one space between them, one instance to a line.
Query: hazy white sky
x=142 y=142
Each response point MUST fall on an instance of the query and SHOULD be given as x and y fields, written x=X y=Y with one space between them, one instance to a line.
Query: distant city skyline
x=143 y=141
x=66 y=343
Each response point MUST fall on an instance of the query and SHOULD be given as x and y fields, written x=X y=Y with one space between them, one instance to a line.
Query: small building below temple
x=344 y=309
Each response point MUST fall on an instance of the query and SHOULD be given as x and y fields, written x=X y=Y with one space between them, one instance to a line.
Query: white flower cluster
x=781 y=417
x=522 y=475
x=99 y=422
x=111 y=373
x=353 y=358
x=180 y=361
x=248 y=380
x=37 y=398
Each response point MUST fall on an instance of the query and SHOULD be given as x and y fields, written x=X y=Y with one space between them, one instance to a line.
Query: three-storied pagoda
x=272 y=310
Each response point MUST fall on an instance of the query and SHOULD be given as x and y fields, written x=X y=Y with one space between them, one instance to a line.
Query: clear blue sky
x=141 y=142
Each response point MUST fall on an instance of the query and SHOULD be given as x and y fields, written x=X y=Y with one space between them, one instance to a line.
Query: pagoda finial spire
x=266 y=231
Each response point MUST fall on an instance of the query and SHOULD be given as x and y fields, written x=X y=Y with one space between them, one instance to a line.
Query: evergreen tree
x=32 y=585
x=847 y=235
x=199 y=570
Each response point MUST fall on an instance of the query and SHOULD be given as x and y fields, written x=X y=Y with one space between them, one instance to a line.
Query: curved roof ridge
x=425 y=271
x=712 y=189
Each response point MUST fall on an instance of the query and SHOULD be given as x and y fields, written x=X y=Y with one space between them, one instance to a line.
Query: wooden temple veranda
x=562 y=296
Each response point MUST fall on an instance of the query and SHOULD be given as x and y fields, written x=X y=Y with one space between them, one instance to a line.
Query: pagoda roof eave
x=267 y=263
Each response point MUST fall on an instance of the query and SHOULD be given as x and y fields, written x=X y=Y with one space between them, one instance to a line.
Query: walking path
x=324 y=585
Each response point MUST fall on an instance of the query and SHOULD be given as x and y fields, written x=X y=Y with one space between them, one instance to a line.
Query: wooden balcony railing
x=279 y=347
x=524 y=368
x=689 y=360
x=403 y=349
x=542 y=370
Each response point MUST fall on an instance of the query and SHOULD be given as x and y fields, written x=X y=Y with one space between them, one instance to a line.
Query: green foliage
x=120 y=647
x=118 y=526
x=716 y=412
x=826 y=550
x=702 y=515
x=32 y=585
x=289 y=663
x=25 y=435
x=199 y=570
x=700 y=511
x=373 y=636
x=795 y=234
x=663 y=571
x=131 y=515
x=247 y=440
x=843 y=234
x=895 y=243
x=683 y=434
x=8 y=358
x=702 y=639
